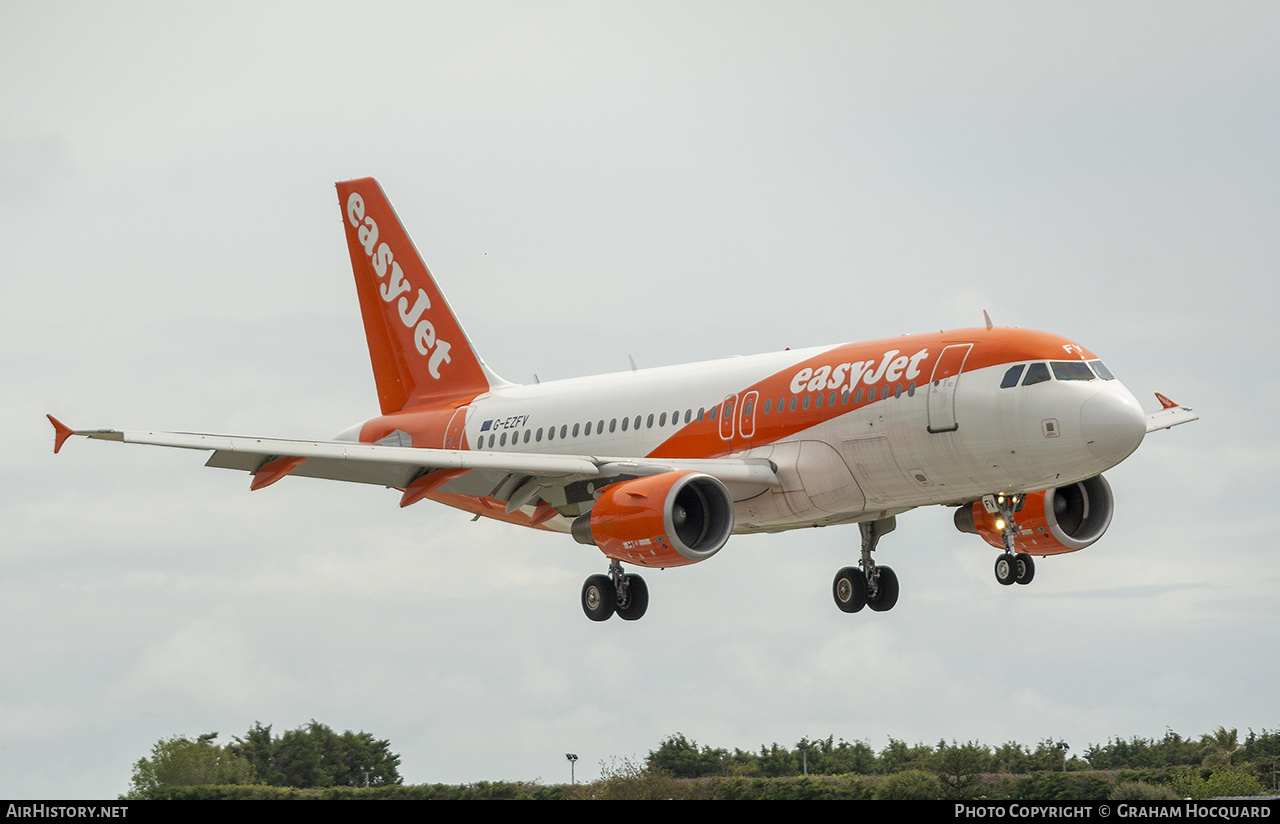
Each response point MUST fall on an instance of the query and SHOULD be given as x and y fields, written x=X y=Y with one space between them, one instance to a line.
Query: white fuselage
x=941 y=441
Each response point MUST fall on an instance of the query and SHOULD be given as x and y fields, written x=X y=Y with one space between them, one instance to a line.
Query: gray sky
x=590 y=181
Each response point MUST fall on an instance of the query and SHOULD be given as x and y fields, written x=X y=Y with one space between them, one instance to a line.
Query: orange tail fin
x=419 y=352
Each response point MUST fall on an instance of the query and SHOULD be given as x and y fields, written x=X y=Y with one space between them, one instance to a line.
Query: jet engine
x=664 y=520
x=1062 y=519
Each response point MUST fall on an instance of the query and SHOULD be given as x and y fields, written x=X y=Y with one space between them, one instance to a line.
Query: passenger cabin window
x=1036 y=373
x=1011 y=377
x=1072 y=371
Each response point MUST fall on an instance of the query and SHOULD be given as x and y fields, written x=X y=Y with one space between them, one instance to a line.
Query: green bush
x=909 y=785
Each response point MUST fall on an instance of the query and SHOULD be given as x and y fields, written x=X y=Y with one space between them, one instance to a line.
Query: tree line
x=315 y=762
x=683 y=758
x=311 y=756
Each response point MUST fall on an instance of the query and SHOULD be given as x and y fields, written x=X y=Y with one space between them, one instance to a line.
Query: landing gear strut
x=1012 y=567
x=618 y=592
x=867 y=584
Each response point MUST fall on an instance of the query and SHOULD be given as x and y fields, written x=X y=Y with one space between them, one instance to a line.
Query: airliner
x=659 y=467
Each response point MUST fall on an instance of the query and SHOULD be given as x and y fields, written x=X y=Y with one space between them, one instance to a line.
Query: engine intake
x=664 y=520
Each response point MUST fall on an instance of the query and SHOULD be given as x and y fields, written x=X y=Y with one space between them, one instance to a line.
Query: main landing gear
x=867 y=584
x=1012 y=567
x=626 y=594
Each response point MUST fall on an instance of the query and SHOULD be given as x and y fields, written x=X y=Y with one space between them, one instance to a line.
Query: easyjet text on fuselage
x=891 y=367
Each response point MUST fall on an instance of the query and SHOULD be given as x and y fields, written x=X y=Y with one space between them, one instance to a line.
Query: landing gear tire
x=850 y=589
x=632 y=605
x=886 y=594
x=1026 y=568
x=867 y=584
x=599 y=598
x=1006 y=569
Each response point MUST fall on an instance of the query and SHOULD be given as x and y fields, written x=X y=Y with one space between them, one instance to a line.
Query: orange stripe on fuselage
x=879 y=364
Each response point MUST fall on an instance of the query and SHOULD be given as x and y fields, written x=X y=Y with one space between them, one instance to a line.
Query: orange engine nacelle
x=666 y=520
x=1063 y=519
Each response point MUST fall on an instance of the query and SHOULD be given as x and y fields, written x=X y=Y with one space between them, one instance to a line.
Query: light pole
x=1064 y=746
x=573 y=760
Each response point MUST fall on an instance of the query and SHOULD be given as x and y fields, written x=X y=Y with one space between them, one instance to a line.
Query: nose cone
x=1112 y=424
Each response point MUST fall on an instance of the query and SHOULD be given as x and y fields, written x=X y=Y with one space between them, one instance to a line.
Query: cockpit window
x=1072 y=371
x=1011 y=377
x=1103 y=372
x=1036 y=373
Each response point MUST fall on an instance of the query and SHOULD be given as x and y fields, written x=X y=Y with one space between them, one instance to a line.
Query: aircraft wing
x=1170 y=414
x=270 y=459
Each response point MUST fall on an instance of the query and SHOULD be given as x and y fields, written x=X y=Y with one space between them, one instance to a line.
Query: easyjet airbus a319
x=659 y=467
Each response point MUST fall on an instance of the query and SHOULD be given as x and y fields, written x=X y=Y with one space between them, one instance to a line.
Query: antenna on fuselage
x=987 y=318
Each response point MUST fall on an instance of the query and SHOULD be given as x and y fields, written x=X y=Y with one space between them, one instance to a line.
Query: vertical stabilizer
x=419 y=352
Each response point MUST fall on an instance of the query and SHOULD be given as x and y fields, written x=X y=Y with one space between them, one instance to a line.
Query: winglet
x=1170 y=414
x=60 y=433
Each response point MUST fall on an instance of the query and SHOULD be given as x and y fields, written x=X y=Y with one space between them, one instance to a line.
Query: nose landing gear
x=1012 y=567
x=1017 y=568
